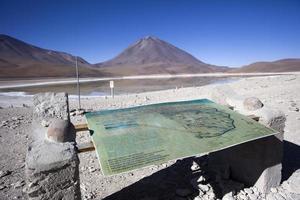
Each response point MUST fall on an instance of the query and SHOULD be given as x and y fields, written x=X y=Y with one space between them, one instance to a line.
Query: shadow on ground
x=291 y=159
x=162 y=184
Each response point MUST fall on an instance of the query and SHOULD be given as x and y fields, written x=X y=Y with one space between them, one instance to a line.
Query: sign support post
x=111 y=85
x=78 y=86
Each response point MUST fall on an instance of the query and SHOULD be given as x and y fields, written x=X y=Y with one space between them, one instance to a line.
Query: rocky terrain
x=183 y=179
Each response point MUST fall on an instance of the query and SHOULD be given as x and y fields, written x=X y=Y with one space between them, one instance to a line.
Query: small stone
x=248 y=191
x=183 y=192
x=80 y=112
x=25 y=105
x=72 y=113
x=203 y=188
x=228 y=196
x=252 y=103
x=2 y=187
x=253 y=197
x=45 y=123
x=243 y=196
x=274 y=190
x=293 y=104
x=14 y=118
x=91 y=169
x=19 y=184
x=201 y=193
x=201 y=179
x=195 y=166
x=4 y=173
x=255 y=190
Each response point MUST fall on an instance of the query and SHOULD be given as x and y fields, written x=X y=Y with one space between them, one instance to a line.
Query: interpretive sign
x=131 y=138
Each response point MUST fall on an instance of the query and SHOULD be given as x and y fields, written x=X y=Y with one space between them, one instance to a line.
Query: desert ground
x=277 y=91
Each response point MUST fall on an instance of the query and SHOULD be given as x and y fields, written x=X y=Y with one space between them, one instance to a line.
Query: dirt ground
x=15 y=122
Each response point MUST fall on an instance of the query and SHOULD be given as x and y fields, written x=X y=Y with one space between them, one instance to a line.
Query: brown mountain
x=284 y=65
x=21 y=60
x=151 y=55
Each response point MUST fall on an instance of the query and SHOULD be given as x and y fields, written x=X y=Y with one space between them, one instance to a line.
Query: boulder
x=61 y=131
x=252 y=103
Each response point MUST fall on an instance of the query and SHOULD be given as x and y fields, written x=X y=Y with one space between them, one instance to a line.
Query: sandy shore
x=277 y=91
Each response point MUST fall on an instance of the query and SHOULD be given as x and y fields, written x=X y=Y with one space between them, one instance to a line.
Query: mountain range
x=148 y=55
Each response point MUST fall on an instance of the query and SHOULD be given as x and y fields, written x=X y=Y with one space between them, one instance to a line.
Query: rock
x=19 y=184
x=228 y=196
x=2 y=187
x=201 y=179
x=14 y=118
x=4 y=173
x=293 y=183
x=91 y=169
x=248 y=191
x=25 y=105
x=44 y=123
x=252 y=103
x=60 y=131
x=203 y=188
x=72 y=113
x=295 y=109
x=274 y=190
x=195 y=166
x=253 y=197
x=242 y=196
x=50 y=105
x=183 y=192
x=80 y=112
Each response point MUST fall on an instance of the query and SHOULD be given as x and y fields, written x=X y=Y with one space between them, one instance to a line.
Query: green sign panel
x=131 y=138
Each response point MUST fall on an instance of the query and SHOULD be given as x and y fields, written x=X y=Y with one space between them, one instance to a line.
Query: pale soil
x=280 y=92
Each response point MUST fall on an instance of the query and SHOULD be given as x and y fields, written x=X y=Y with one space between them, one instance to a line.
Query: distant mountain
x=151 y=55
x=19 y=60
x=284 y=65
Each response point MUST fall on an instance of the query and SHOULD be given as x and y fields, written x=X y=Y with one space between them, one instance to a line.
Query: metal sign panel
x=111 y=84
x=131 y=138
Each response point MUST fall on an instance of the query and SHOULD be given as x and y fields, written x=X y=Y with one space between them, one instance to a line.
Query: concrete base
x=258 y=162
x=52 y=171
x=52 y=168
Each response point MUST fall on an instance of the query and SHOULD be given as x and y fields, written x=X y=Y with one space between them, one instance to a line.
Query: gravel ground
x=167 y=181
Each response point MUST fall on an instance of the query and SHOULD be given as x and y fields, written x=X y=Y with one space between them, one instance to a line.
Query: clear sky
x=221 y=32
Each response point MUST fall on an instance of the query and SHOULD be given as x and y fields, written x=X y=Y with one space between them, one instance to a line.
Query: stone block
x=50 y=105
x=257 y=162
x=52 y=171
x=52 y=166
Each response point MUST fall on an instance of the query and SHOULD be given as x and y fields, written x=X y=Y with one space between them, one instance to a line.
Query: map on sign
x=131 y=138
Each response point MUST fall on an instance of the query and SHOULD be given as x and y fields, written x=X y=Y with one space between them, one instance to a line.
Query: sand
x=279 y=91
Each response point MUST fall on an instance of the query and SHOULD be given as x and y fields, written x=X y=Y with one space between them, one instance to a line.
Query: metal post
x=78 y=87
x=112 y=92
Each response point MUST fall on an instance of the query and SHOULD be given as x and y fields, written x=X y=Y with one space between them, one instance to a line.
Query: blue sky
x=229 y=33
